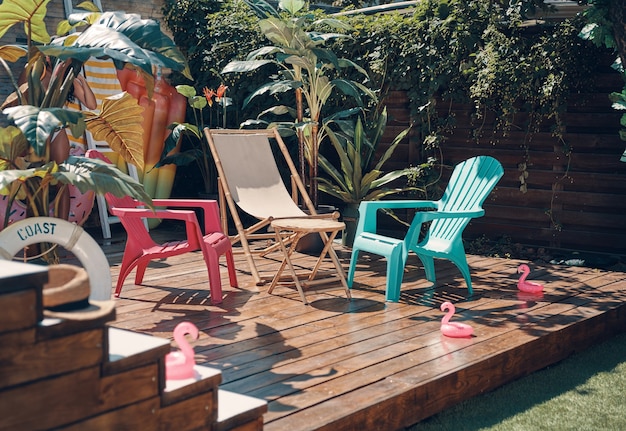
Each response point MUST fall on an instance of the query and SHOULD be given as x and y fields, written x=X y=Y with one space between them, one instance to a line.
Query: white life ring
x=34 y=230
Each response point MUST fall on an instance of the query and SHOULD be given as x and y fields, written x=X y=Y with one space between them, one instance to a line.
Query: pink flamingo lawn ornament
x=179 y=365
x=527 y=286
x=453 y=329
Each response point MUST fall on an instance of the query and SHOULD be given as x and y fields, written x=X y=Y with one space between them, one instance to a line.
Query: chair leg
x=120 y=282
x=211 y=259
x=215 y=280
x=127 y=266
x=464 y=268
x=232 y=272
x=352 y=268
x=141 y=270
x=429 y=267
x=395 y=273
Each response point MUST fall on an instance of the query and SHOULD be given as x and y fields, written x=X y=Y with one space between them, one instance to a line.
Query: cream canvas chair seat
x=250 y=181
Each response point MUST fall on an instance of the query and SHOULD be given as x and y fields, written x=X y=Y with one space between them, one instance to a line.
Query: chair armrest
x=190 y=203
x=209 y=207
x=368 y=209
x=184 y=215
x=397 y=204
x=422 y=217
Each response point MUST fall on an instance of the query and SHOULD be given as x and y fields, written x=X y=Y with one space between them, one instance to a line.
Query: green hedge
x=471 y=51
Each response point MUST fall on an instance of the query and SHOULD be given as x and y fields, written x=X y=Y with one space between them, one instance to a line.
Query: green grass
x=586 y=391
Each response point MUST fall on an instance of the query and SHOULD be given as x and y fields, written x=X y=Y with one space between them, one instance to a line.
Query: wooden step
x=191 y=403
x=238 y=412
x=129 y=349
x=20 y=294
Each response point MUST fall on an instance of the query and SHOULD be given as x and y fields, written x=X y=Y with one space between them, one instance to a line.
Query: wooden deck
x=366 y=364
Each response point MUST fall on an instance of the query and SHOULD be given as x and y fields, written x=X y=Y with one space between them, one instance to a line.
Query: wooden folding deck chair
x=249 y=180
x=470 y=184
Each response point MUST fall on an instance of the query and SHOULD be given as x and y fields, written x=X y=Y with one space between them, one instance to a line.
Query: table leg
x=327 y=246
x=287 y=261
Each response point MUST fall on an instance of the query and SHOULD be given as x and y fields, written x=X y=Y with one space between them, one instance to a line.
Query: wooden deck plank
x=342 y=365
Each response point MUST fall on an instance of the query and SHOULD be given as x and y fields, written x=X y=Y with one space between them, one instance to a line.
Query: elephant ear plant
x=26 y=168
x=126 y=39
x=307 y=68
x=360 y=176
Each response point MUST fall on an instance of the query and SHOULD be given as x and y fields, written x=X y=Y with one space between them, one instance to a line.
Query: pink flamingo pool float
x=453 y=329
x=527 y=286
x=179 y=364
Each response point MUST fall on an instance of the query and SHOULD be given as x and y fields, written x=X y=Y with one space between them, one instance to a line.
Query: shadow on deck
x=366 y=364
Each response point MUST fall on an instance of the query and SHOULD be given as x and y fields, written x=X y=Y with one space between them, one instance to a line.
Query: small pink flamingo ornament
x=453 y=329
x=179 y=364
x=527 y=286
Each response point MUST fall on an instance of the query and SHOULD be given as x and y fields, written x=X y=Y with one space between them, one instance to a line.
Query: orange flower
x=208 y=94
x=221 y=91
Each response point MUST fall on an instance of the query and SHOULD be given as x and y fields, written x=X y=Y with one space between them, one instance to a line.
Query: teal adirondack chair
x=470 y=184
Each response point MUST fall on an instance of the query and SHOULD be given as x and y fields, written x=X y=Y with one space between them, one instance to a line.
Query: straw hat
x=66 y=295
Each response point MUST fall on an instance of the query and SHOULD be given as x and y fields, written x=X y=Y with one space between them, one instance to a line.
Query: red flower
x=208 y=94
x=221 y=91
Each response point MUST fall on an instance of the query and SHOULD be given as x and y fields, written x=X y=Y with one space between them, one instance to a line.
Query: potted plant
x=307 y=68
x=360 y=177
x=27 y=171
x=198 y=150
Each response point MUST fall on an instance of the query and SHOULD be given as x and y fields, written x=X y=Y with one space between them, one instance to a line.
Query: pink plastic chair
x=141 y=248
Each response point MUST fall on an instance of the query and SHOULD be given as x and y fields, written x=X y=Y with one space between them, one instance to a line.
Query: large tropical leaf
x=336 y=176
x=263 y=51
x=80 y=18
x=39 y=124
x=29 y=12
x=392 y=148
x=319 y=37
x=291 y=6
x=172 y=142
x=147 y=34
x=344 y=62
x=349 y=88
x=9 y=177
x=12 y=144
x=120 y=124
x=101 y=177
x=272 y=88
x=126 y=38
x=334 y=23
x=12 y=53
x=299 y=61
x=239 y=66
x=183 y=158
x=278 y=110
x=278 y=31
x=261 y=8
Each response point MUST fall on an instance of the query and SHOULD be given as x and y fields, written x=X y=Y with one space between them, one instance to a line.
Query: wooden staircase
x=85 y=375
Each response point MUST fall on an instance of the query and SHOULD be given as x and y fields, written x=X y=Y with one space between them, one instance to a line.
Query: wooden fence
x=575 y=199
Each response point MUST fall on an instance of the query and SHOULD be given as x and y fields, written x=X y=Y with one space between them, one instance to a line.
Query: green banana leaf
x=101 y=177
x=126 y=38
x=38 y=124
